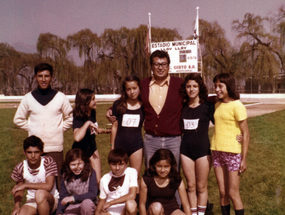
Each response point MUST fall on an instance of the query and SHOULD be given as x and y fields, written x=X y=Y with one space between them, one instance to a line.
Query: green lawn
x=262 y=186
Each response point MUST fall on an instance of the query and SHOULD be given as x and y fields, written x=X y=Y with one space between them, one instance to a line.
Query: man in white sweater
x=46 y=113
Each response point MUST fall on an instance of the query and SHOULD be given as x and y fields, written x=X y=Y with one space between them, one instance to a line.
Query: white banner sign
x=183 y=55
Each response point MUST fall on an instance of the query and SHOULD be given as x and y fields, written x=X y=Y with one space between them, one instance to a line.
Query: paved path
x=257 y=109
x=8 y=105
x=254 y=109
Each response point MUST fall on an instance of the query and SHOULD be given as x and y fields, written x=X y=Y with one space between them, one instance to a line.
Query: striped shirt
x=49 y=165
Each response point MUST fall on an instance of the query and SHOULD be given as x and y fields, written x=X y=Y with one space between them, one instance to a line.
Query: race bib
x=131 y=120
x=190 y=124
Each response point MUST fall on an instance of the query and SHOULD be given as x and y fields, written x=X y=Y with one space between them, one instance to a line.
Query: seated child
x=36 y=174
x=78 y=189
x=118 y=187
x=159 y=185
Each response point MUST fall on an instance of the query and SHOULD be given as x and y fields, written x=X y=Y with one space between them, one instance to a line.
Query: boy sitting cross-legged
x=36 y=174
x=118 y=187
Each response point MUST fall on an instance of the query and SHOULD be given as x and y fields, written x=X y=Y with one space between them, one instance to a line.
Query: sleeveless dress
x=165 y=195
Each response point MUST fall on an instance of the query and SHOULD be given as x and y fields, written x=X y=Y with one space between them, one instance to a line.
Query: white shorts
x=116 y=210
x=33 y=204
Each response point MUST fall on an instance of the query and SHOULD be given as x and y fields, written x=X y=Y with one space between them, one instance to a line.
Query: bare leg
x=202 y=167
x=96 y=165
x=130 y=208
x=177 y=212
x=222 y=180
x=45 y=202
x=155 y=208
x=188 y=166
x=234 y=179
x=26 y=209
x=136 y=162
x=105 y=213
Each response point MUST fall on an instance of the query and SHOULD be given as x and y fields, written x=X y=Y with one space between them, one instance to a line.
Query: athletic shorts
x=231 y=161
x=116 y=210
x=33 y=204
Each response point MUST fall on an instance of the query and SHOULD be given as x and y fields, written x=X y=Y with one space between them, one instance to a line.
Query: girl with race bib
x=126 y=130
x=229 y=156
x=195 y=146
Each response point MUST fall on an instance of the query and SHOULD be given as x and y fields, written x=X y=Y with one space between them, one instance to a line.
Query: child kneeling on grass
x=118 y=187
x=36 y=174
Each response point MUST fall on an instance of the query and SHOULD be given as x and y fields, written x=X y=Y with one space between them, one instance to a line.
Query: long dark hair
x=70 y=156
x=164 y=154
x=203 y=91
x=229 y=80
x=122 y=101
x=82 y=101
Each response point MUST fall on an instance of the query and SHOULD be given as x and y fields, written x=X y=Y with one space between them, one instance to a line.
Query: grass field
x=262 y=186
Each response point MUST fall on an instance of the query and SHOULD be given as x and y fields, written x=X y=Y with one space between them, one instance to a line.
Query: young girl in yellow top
x=229 y=156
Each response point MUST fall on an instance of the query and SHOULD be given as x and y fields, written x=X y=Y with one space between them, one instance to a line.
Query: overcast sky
x=22 y=21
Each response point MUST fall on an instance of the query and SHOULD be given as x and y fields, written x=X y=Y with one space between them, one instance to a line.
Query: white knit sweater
x=47 y=122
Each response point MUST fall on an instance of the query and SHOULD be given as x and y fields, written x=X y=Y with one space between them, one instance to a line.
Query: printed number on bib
x=190 y=124
x=131 y=120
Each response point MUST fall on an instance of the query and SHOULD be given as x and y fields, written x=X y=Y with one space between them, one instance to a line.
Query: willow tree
x=26 y=73
x=278 y=23
x=140 y=62
x=56 y=48
x=117 y=53
x=217 y=52
x=12 y=65
x=164 y=34
x=123 y=51
x=279 y=28
x=9 y=63
x=88 y=46
x=260 y=49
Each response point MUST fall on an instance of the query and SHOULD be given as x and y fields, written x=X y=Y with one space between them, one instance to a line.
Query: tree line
x=258 y=61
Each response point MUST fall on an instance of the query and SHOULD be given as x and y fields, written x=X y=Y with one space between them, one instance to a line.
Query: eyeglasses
x=163 y=65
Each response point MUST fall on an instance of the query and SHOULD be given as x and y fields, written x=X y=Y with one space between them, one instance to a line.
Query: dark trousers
x=58 y=158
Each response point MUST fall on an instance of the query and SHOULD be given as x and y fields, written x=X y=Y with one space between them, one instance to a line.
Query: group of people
x=175 y=114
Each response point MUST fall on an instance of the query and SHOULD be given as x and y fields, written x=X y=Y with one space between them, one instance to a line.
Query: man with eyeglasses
x=162 y=105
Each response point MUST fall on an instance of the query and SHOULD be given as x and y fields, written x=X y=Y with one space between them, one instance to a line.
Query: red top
x=167 y=122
